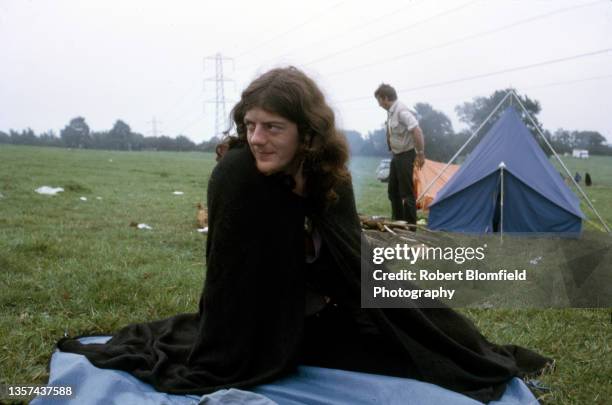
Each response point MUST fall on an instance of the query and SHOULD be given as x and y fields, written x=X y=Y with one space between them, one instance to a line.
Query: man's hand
x=419 y=160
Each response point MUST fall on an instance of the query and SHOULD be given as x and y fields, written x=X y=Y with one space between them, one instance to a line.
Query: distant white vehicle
x=382 y=172
x=580 y=153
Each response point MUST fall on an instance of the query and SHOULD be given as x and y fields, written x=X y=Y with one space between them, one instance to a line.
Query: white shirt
x=400 y=123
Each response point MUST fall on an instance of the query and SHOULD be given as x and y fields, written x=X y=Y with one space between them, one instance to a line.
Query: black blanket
x=251 y=326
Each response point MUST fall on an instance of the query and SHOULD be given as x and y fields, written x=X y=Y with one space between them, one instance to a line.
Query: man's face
x=384 y=102
x=273 y=140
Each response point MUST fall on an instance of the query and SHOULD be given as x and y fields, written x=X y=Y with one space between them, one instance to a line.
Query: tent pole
x=462 y=147
x=561 y=162
x=501 y=203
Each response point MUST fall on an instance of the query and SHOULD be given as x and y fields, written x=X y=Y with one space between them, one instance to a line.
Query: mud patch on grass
x=38 y=248
x=75 y=187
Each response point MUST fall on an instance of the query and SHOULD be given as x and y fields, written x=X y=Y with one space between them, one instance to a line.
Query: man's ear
x=308 y=140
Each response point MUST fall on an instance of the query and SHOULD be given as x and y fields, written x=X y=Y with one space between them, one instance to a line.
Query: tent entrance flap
x=497 y=220
x=498 y=216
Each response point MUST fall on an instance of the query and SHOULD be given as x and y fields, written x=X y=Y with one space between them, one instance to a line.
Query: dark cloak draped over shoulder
x=250 y=327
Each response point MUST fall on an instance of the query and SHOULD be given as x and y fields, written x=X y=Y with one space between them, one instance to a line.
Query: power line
x=498 y=72
x=541 y=86
x=558 y=83
x=294 y=28
x=388 y=34
x=180 y=101
x=325 y=41
x=181 y=118
x=466 y=38
x=192 y=123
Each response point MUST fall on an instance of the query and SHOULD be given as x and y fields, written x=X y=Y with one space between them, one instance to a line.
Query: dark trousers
x=401 y=195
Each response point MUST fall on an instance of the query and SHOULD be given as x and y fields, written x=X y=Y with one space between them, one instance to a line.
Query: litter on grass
x=139 y=226
x=203 y=230
x=83 y=198
x=178 y=193
x=535 y=260
x=201 y=216
x=47 y=190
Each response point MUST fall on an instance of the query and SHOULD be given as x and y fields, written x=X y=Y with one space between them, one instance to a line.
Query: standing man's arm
x=419 y=146
x=410 y=121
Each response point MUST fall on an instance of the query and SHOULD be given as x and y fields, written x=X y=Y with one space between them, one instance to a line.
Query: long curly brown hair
x=291 y=94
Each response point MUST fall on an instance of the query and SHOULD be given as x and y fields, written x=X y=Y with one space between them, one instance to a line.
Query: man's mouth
x=264 y=154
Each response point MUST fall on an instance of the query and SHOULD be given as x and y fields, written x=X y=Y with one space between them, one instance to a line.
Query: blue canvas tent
x=535 y=197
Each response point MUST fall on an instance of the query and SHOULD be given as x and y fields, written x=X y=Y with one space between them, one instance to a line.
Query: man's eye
x=250 y=127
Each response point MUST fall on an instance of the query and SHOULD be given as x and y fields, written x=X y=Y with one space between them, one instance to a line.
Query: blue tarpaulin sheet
x=307 y=385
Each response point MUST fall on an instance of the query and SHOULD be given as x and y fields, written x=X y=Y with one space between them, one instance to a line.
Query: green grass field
x=74 y=267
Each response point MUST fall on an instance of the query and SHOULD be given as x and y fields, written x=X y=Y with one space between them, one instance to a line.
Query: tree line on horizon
x=78 y=135
x=441 y=140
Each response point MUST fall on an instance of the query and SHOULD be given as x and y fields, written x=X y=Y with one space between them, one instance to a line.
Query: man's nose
x=258 y=136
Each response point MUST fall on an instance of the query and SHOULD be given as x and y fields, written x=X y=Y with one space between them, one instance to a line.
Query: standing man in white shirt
x=406 y=143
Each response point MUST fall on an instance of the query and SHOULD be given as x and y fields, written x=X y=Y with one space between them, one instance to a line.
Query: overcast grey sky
x=138 y=59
